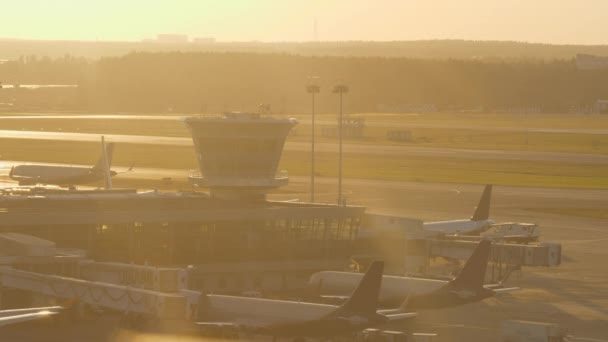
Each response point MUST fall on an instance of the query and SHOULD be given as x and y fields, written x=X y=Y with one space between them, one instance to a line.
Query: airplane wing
x=217 y=324
x=402 y=309
x=400 y=316
x=28 y=316
x=130 y=169
x=335 y=297
x=506 y=290
x=247 y=327
x=22 y=177
x=339 y=300
x=14 y=316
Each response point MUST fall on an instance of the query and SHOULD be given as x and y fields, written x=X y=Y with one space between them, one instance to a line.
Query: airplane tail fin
x=364 y=300
x=104 y=163
x=482 y=211
x=105 y=156
x=474 y=271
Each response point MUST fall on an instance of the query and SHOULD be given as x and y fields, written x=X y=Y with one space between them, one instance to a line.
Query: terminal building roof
x=55 y=206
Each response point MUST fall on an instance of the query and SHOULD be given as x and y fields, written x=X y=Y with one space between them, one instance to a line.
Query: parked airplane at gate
x=475 y=224
x=299 y=320
x=420 y=293
x=67 y=175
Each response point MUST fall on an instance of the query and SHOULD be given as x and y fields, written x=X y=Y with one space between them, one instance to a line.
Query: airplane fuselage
x=263 y=311
x=393 y=291
x=448 y=297
x=421 y=294
x=457 y=226
x=285 y=318
x=54 y=174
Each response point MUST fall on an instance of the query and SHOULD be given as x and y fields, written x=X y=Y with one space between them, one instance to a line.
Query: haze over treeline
x=436 y=49
x=214 y=82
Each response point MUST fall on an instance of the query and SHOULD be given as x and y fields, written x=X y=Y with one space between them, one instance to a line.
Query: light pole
x=340 y=89
x=312 y=89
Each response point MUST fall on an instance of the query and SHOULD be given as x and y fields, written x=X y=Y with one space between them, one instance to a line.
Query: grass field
x=541 y=120
x=427 y=169
x=365 y=166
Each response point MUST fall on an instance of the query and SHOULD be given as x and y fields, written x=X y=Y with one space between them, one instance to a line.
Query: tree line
x=198 y=82
x=432 y=49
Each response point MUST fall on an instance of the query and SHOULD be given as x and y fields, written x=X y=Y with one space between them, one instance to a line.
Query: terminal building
x=232 y=237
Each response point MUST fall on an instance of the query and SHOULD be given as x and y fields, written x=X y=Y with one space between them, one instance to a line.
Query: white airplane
x=9 y=317
x=419 y=293
x=298 y=320
x=475 y=224
x=68 y=175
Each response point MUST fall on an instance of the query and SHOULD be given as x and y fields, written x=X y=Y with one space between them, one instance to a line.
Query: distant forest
x=194 y=82
x=433 y=49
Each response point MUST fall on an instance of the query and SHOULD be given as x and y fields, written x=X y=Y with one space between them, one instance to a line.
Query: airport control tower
x=238 y=153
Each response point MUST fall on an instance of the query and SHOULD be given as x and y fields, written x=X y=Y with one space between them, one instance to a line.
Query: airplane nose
x=314 y=282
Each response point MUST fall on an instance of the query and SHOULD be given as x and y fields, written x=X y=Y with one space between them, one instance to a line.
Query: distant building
x=407 y=108
x=601 y=106
x=203 y=40
x=591 y=62
x=172 y=38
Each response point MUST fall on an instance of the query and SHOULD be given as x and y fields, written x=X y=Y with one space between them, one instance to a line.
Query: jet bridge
x=541 y=254
x=36 y=267
x=105 y=295
x=504 y=257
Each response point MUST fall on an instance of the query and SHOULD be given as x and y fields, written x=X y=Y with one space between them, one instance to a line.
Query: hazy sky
x=550 y=21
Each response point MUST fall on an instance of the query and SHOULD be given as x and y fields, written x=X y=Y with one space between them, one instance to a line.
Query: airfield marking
x=326 y=147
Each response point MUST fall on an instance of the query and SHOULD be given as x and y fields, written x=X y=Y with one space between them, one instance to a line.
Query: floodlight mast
x=312 y=89
x=340 y=89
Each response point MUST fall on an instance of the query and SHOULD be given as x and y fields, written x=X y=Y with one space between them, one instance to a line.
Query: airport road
x=389 y=150
x=322 y=121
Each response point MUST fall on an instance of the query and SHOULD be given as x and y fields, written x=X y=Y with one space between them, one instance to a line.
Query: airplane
x=419 y=293
x=68 y=175
x=299 y=320
x=10 y=317
x=475 y=224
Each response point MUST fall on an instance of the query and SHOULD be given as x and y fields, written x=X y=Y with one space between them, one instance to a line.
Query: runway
x=321 y=121
x=390 y=150
x=387 y=195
